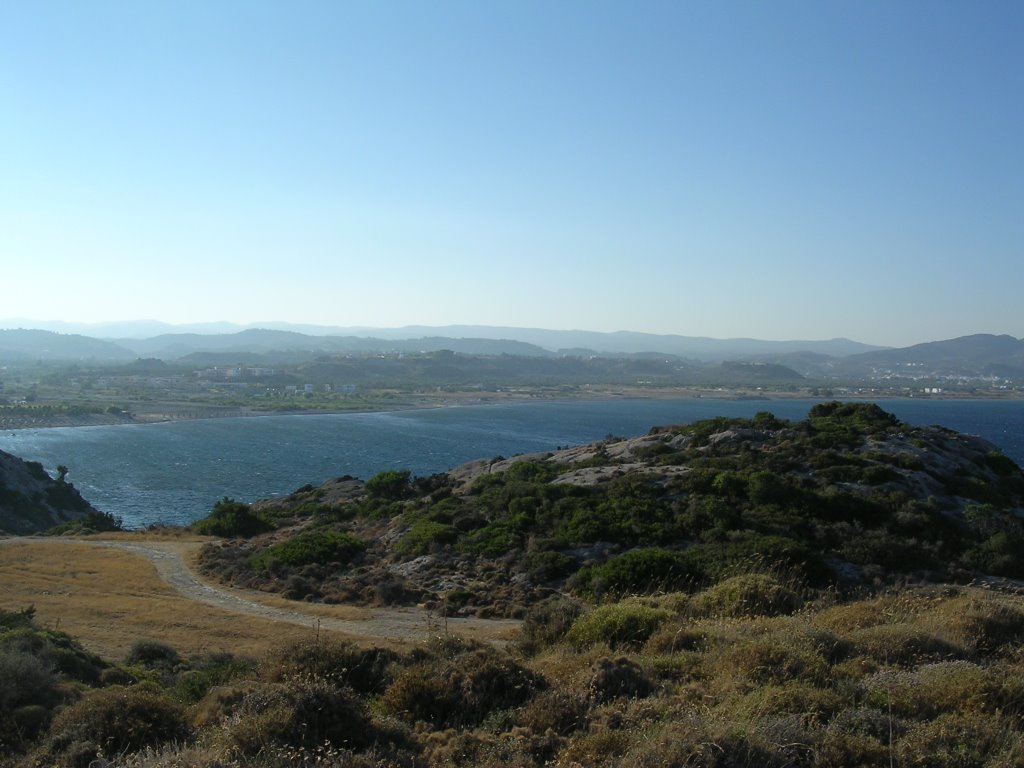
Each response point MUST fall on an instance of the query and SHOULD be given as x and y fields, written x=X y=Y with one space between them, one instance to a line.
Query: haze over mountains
x=980 y=355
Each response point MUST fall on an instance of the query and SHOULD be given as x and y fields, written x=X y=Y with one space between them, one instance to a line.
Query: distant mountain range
x=980 y=355
x=466 y=339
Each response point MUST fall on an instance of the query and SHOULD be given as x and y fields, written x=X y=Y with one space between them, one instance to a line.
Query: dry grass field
x=108 y=598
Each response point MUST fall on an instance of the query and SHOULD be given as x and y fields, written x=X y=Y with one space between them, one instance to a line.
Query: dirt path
x=169 y=559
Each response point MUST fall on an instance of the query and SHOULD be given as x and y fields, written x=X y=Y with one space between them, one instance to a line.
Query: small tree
x=391 y=484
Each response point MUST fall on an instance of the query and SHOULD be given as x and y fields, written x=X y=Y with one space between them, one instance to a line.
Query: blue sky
x=774 y=170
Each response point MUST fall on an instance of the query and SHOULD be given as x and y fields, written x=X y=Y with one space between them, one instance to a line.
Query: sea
x=174 y=472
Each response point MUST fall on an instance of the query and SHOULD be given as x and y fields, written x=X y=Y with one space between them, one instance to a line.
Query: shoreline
x=169 y=413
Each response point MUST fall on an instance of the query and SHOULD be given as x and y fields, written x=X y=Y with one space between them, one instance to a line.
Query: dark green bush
x=424 y=535
x=91 y=522
x=311 y=548
x=153 y=654
x=192 y=685
x=642 y=570
x=390 y=485
x=230 y=519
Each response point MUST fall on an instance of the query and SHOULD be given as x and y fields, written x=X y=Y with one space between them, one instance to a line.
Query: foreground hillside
x=849 y=498
x=749 y=672
x=841 y=591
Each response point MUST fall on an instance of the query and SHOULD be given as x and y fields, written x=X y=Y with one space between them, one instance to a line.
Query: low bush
x=642 y=570
x=425 y=535
x=746 y=595
x=901 y=644
x=619 y=678
x=562 y=712
x=390 y=485
x=112 y=721
x=961 y=739
x=300 y=713
x=547 y=622
x=459 y=691
x=775 y=658
x=192 y=685
x=620 y=625
x=675 y=637
x=310 y=548
x=929 y=690
x=365 y=670
x=153 y=654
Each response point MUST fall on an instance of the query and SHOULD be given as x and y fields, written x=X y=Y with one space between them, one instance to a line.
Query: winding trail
x=169 y=558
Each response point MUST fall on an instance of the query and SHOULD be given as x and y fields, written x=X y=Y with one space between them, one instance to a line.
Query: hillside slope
x=849 y=498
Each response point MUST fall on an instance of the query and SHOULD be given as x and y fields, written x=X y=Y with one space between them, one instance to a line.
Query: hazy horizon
x=721 y=170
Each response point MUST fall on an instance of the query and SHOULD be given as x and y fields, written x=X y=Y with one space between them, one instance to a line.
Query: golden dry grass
x=109 y=598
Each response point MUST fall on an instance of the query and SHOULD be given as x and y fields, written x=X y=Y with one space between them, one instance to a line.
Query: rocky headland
x=32 y=502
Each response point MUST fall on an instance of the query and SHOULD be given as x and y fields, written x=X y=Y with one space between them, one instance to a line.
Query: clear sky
x=776 y=170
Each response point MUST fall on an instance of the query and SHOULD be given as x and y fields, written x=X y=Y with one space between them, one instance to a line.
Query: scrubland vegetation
x=842 y=591
x=750 y=672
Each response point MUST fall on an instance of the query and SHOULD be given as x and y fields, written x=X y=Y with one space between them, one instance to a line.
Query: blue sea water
x=174 y=472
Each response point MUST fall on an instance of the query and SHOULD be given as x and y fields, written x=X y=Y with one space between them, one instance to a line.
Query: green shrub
x=621 y=625
x=231 y=519
x=153 y=654
x=642 y=570
x=310 y=548
x=746 y=595
x=390 y=485
x=745 y=551
x=532 y=471
x=28 y=692
x=424 y=535
x=1001 y=464
x=192 y=685
x=91 y=522
x=15 y=619
x=547 y=564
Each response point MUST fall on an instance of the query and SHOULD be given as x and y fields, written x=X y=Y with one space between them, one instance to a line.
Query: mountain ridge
x=978 y=355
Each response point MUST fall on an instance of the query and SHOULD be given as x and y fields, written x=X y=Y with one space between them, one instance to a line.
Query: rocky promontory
x=32 y=502
x=850 y=498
